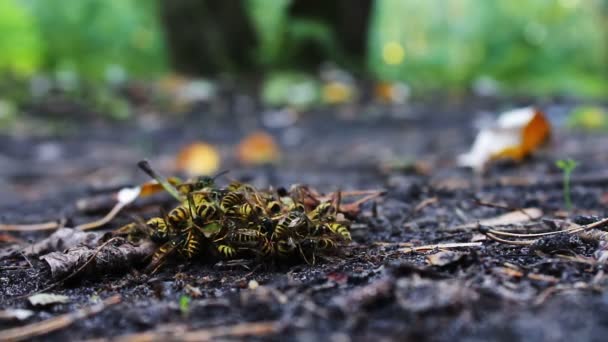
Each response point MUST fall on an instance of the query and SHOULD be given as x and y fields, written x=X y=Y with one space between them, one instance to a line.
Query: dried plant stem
x=30 y=227
x=440 y=246
x=241 y=330
x=510 y=242
x=53 y=324
x=104 y=220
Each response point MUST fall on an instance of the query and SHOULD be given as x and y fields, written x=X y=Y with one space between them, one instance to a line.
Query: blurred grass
x=532 y=47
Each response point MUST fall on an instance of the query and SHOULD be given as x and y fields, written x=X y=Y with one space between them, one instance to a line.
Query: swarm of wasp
x=240 y=221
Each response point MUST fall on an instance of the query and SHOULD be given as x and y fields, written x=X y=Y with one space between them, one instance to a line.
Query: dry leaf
x=112 y=258
x=198 y=159
x=517 y=134
x=47 y=299
x=258 y=148
x=443 y=258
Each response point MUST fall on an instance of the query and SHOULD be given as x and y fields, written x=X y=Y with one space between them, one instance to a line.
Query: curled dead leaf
x=258 y=148
x=443 y=258
x=198 y=158
x=515 y=135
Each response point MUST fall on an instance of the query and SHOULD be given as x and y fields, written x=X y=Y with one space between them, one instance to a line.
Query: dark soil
x=369 y=290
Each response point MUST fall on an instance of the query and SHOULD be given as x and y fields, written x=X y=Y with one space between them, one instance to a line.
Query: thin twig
x=53 y=324
x=241 y=330
x=440 y=246
x=575 y=228
x=506 y=207
x=102 y=221
x=510 y=242
x=29 y=227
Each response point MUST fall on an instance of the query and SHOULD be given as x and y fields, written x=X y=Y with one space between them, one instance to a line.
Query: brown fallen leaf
x=513 y=217
x=198 y=158
x=115 y=257
x=62 y=239
x=443 y=258
x=258 y=148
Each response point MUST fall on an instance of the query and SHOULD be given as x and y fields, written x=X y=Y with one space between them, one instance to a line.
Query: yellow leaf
x=258 y=148
x=198 y=159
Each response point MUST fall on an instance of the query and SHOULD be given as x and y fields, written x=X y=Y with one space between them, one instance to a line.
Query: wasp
x=160 y=229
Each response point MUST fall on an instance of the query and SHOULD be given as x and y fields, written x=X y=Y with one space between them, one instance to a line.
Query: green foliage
x=289 y=88
x=184 y=305
x=270 y=20
x=282 y=39
x=591 y=118
x=527 y=46
x=90 y=38
x=20 y=44
x=93 y=37
x=532 y=46
x=567 y=166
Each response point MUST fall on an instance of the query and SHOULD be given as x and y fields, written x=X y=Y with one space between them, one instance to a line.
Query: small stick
x=242 y=330
x=29 y=227
x=499 y=232
x=440 y=246
x=145 y=166
x=510 y=242
x=500 y=206
x=425 y=203
x=572 y=230
x=53 y=324
x=360 y=192
x=102 y=221
x=124 y=197
x=365 y=199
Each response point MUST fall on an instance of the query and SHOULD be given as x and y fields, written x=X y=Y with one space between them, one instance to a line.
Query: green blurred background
x=530 y=47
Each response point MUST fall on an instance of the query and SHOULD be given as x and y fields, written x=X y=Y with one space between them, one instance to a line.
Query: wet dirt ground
x=375 y=288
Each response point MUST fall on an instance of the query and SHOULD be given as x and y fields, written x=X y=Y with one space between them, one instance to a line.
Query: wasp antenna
x=221 y=173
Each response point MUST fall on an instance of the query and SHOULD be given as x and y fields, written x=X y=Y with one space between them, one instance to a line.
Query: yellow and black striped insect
x=160 y=229
x=273 y=207
x=226 y=250
x=241 y=221
x=179 y=216
x=339 y=229
x=323 y=212
x=231 y=200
